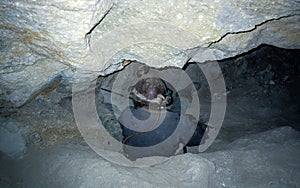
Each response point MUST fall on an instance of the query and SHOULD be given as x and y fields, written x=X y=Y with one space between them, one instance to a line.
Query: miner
x=150 y=129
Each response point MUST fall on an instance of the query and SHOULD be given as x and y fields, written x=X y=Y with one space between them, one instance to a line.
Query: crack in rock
x=282 y=32
x=88 y=34
x=254 y=28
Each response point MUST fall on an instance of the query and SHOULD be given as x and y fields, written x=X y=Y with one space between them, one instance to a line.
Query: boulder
x=40 y=40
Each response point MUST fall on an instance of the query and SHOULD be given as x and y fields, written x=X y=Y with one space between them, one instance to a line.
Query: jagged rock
x=169 y=33
x=282 y=32
x=41 y=38
x=21 y=86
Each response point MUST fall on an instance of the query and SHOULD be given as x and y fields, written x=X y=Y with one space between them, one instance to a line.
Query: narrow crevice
x=88 y=34
x=208 y=45
x=254 y=28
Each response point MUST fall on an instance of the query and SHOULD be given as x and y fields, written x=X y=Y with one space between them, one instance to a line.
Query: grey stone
x=271 y=82
x=107 y=114
x=40 y=39
x=206 y=30
x=253 y=161
x=78 y=166
x=11 y=141
x=282 y=32
x=21 y=86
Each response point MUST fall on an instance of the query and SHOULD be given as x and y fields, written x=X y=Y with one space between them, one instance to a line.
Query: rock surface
x=12 y=142
x=252 y=161
x=41 y=39
x=43 y=42
x=243 y=155
x=160 y=34
x=282 y=32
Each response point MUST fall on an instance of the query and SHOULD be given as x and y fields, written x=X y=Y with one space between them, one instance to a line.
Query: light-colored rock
x=159 y=33
x=268 y=159
x=21 y=86
x=39 y=40
x=283 y=33
x=254 y=161
x=78 y=166
x=97 y=36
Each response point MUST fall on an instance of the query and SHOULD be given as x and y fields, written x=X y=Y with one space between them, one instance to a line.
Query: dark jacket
x=163 y=133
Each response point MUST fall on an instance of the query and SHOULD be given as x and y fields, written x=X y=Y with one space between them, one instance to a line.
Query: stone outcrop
x=42 y=41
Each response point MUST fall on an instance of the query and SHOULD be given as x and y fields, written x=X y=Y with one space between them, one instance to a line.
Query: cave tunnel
x=63 y=112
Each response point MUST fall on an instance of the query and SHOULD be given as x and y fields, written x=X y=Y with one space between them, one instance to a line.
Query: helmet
x=151 y=91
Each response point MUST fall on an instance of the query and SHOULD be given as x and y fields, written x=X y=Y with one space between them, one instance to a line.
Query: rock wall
x=43 y=41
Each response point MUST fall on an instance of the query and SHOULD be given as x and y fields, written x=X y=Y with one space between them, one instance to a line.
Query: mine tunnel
x=145 y=94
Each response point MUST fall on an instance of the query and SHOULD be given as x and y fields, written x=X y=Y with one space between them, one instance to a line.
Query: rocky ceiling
x=43 y=42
